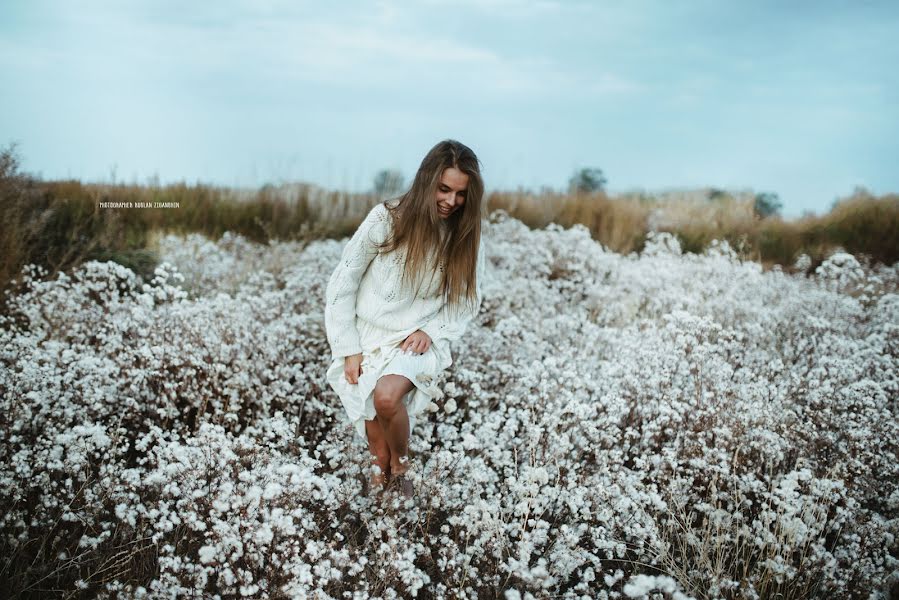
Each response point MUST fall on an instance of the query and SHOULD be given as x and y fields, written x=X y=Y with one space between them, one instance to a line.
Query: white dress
x=369 y=311
x=381 y=356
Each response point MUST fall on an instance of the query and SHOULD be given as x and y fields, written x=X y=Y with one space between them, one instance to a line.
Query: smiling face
x=451 y=191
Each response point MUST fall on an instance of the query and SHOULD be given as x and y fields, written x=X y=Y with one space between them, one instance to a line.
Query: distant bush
x=861 y=224
x=767 y=204
x=388 y=182
x=716 y=194
x=587 y=180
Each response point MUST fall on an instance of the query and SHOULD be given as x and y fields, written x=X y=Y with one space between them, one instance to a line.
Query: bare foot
x=399 y=479
x=378 y=478
x=400 y=465
x=377 y=483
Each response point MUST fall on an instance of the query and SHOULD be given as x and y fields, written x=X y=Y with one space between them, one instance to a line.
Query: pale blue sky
x=796 y=98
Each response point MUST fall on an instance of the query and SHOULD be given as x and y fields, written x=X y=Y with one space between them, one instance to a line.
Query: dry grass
x=861 y=224
x=617 y=223
x=59 y=224
x=715 y=555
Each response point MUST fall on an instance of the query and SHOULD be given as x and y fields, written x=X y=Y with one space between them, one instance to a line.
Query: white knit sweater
x=365 y=285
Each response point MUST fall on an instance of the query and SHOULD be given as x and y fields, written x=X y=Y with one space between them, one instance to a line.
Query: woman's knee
x=387 y=397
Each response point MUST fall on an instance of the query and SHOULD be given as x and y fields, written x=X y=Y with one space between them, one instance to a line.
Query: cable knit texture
x=365 y=289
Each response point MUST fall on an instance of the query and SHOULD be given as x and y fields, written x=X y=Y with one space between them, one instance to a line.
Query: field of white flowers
x=645 y=426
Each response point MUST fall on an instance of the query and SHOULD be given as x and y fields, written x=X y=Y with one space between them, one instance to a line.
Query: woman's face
x=451 y=191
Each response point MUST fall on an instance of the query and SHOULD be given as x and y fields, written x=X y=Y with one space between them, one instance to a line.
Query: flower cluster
x=663 y=424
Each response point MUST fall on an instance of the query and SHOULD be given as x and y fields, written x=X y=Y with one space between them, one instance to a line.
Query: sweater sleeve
x=450 y=325
x=340 y=294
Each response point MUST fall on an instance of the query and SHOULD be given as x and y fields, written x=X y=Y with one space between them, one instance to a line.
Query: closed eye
x=443 y=188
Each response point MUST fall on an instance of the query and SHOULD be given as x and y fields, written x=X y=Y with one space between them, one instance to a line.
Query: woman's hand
x=352 y=367
x=418 y=341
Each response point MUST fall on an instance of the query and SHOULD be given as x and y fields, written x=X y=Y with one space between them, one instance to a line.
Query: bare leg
x=379 y=452
x=391 y=413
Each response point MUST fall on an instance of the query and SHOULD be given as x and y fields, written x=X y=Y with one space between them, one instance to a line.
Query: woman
x=408 y=283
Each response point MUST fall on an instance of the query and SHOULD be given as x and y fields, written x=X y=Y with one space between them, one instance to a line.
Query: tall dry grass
x=56 y=225
x=618 y=224
x=59 y=224
x=861 y=224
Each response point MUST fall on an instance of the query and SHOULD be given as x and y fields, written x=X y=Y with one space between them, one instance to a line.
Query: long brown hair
x=416 y=224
